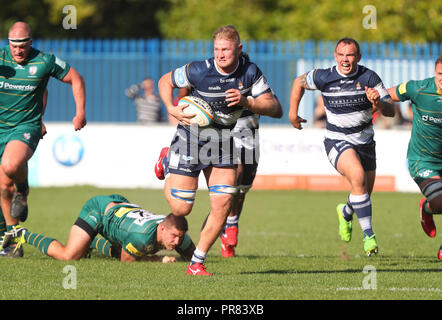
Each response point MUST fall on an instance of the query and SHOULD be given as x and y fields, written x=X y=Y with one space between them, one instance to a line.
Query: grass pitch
x=289 y=249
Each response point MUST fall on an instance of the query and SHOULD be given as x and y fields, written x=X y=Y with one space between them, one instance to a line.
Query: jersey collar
x=349 y=75
x=223 y=73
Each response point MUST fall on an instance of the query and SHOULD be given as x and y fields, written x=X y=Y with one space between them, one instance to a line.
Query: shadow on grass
x=387 y=264
x=339 y=271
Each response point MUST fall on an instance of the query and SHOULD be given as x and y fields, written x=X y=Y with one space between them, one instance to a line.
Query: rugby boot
x=227 y=251
x=12 y=252
x=159 y=167
x=439 y=254
x=427 y=221
x=12 y=241
x=345 y=227
x=229 y=240
x=197 y=269
x=230 y=236
x=19 y=206
x=370 y=245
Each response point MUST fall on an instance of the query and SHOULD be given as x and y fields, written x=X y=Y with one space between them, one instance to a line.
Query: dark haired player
x=350 y=92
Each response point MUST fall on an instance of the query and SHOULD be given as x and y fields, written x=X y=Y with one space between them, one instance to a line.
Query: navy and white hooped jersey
x=349 y=112
x=207 y=82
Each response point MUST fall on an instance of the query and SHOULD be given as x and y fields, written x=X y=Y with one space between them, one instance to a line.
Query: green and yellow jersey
x=135 y=230
x=426 y=136
x=22 y=86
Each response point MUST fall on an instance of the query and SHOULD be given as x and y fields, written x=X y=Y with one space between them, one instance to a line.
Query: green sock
x=102 y=245
x=39 y=241
x=425 y=208
x=9 y=227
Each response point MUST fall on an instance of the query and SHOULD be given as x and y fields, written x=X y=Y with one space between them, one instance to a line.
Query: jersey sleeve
x=58 y=68
x=375 y=82
x=314 y=80
x=187 y=75
x=180 y=78
x=132 y=246
x=405 y=91
x=259 y=81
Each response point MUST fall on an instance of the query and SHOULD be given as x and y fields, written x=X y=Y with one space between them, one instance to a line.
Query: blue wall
x=110 y=66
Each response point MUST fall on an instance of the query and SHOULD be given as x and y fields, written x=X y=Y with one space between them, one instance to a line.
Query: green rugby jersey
x=22 y=86
x=135 y=230
x=426 y=135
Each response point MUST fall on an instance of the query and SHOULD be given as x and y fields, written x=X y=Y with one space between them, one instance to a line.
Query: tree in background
x=395 y=20
x=95 y=18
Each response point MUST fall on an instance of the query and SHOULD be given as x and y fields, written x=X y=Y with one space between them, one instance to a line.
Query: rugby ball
x=203 y=112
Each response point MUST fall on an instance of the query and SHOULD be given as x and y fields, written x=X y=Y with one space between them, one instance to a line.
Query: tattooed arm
x=298 y=88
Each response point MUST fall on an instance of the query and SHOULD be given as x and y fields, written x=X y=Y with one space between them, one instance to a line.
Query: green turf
x=288 y=249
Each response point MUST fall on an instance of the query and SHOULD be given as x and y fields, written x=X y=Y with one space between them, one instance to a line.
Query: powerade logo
x=68 y=149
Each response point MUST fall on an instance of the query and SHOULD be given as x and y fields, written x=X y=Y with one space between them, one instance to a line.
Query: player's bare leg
x=361 y=183
x=229 y=234
x=221 y=182
x=78 y=244
x=15 y=171
x=180 y=193
x=7 y=189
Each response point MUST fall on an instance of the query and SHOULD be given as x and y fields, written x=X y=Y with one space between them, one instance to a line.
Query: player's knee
x=433 y=192
x=181 y=210
x=11 y=168
x=221 y=197
x=69 y=256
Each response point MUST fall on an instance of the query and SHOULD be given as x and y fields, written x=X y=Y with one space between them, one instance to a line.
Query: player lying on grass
x=138 y=232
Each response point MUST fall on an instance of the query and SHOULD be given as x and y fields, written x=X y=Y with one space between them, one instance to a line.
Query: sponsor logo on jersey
x=187 y=158
x=32 y=70
x=403 y=88
x=20 y=87
x=180 y=76
x=431 y=119
x=131 y=249
x=227 y=80
x=425 y=173
x=27 y=136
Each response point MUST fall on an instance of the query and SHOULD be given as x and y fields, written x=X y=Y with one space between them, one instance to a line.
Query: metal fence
x=110 y=66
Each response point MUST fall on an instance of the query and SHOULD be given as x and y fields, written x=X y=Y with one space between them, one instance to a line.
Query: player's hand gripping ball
x=203 y=112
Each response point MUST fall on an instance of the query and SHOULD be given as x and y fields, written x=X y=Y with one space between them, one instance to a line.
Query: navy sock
x=362 y=207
